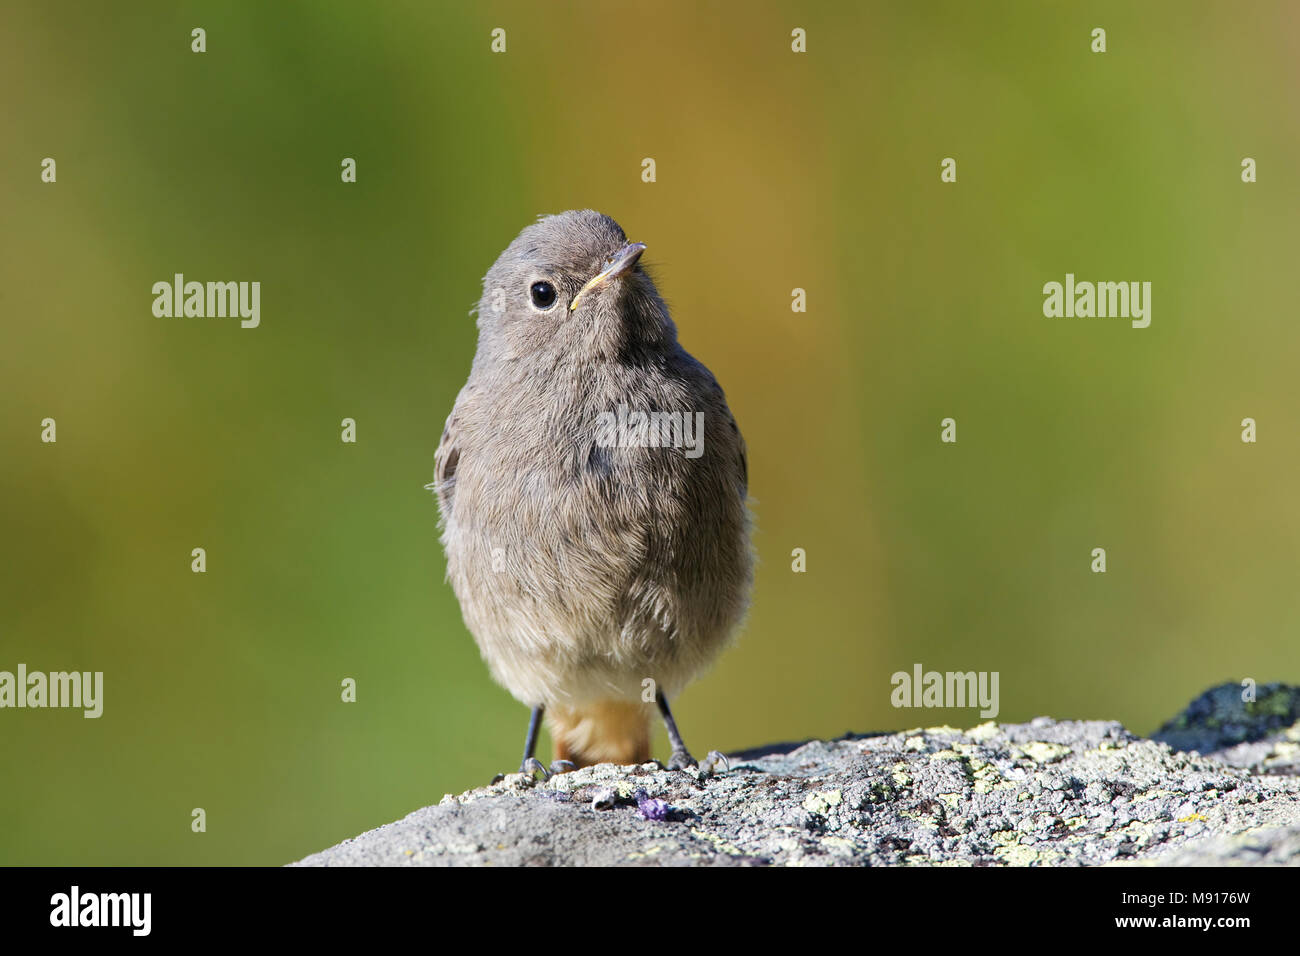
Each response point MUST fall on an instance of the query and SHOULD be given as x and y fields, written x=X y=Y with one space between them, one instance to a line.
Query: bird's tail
x=603 y=731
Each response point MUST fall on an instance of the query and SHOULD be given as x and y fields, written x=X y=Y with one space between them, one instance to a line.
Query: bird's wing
x=445 y=461
x=741 y=451
x=744 y=461
x=742 y=454
x=719 y=400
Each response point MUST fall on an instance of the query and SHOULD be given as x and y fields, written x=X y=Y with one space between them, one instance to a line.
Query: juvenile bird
x=592 y=484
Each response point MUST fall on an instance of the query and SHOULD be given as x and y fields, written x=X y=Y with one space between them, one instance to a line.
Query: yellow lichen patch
x=821 y=802
x=649 y=851
x=838 y=845
x=984 y=731
x=1138 y=831
x=718 y=843
x=987 y=778
x=952 y=799
x=929 y=821
x=1040 y=751
x=788 y=846
x=1193 y=816
x=1016 y=855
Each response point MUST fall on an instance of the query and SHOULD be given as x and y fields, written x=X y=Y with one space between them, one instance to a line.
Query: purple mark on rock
x=651 y=808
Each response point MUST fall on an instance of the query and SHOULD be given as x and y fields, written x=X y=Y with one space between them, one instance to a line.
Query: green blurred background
x=775 y=171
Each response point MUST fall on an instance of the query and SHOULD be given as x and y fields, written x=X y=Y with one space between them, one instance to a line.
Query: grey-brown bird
x=592 y=484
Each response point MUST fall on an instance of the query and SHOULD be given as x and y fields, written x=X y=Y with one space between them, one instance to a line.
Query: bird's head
x=572 y=285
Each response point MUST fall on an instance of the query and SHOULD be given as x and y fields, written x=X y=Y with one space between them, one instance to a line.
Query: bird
x=592 y=485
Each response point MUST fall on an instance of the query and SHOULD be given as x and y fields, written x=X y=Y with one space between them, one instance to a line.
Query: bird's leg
x=530 y=764
x=681 y=758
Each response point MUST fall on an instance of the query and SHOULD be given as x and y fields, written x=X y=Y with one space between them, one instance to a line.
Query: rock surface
x=1043 y=793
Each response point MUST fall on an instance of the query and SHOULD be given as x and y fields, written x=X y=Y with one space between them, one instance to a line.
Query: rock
x=1042 y=793
x=1261 y=735
x=1267 y=846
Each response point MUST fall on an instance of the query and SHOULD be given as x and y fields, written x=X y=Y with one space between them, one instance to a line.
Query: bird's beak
x=619 y=263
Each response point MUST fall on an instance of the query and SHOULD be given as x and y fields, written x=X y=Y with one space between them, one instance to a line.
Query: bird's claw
x=532 y=767
x=711 y=761
x=682 y=760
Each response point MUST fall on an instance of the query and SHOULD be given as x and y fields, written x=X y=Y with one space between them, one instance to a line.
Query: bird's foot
x=532 y=767
x=682 y=760
x=712 y=760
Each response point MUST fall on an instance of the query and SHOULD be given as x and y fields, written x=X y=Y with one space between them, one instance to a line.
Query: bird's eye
x=543 y=295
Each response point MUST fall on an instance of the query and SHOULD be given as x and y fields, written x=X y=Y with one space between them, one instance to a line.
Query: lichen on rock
x=1042 y=793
